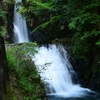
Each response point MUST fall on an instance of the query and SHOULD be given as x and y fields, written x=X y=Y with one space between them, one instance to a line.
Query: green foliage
x=98 y=43
x=41 y=10
x=11 y=60
x=81 y=16
x=44 y=25
x=25 y=49
x=14 y=98
x=2 y=30
x=7 y=1
x=86 y=24
x=34 y=6
x=19 y=61
x=43 y=5
x=16 y=54
x=2 y=12
x=2 y=24
x=22 y=10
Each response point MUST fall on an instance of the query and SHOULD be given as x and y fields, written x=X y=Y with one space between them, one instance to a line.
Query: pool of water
x=71 y=98
x=88 y=97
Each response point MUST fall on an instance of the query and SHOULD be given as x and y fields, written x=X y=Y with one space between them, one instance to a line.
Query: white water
x=20 y=27
x=57 y=74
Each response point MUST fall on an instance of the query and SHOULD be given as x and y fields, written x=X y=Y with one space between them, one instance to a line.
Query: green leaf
x=98 y=43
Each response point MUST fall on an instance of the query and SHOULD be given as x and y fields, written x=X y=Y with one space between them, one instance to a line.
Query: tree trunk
x=3 y=68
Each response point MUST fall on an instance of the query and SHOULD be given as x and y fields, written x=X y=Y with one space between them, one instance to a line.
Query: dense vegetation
x=79 y=19
x=74 y=19
x=82 y=17
x=2 y=18
x=21 y=66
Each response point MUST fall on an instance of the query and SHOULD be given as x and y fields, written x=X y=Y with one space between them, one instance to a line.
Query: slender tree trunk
x=0 y=86
x=3 y=68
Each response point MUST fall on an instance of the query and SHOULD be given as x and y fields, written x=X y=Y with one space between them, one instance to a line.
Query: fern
x=2 y=30
x=2 y=19
x=2 y=13
x=86 y=24
x=98 y=43
x=40 y=4
x=52 y=20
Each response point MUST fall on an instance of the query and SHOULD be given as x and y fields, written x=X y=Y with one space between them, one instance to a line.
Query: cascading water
x=20 y=27
x=55 y=70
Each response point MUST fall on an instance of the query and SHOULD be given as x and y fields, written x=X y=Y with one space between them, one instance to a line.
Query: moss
x=9 y=95
x=25 y=82
x=87 y=75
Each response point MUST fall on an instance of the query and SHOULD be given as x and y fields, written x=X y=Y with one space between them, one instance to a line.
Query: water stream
x=56 y=72
x=54 y=67
x=20 y=27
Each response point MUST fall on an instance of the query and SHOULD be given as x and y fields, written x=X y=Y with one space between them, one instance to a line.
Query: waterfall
x=56 y=71
x=20 y=27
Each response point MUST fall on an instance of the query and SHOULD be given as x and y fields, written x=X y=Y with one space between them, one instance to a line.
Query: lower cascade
x=57 y=73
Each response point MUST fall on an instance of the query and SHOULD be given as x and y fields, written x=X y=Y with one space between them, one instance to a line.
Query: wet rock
x=36 y=79
x=36 y=36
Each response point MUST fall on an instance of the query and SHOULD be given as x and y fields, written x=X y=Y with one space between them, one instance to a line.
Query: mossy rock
x=9 y=95
x=36 y=79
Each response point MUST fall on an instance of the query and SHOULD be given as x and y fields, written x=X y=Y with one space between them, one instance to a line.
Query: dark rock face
x=95 y=68
x=94 y=83
x=36 y=36
x=9 y=15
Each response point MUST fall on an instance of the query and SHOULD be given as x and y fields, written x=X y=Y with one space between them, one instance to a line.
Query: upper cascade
x=20 y=27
